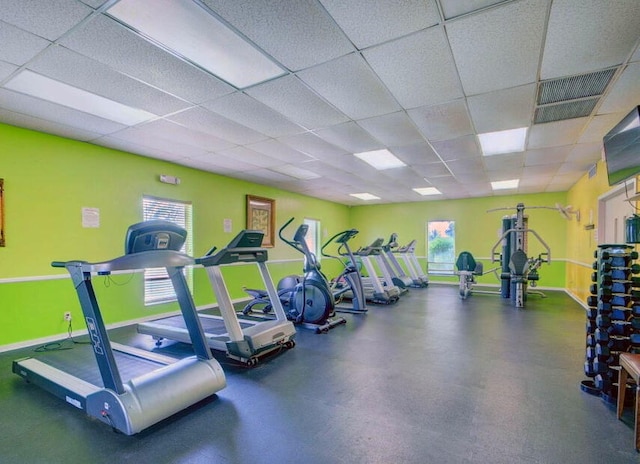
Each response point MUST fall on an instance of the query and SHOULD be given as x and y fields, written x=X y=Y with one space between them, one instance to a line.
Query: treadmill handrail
x=133 y=261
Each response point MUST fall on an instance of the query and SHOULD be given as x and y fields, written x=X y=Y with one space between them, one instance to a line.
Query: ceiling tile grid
x=421 y=78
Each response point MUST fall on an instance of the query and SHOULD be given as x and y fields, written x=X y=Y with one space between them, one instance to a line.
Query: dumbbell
x=634 y=340
x=616 y=287
x=591 y=327
x=591 y=313
x=635 y=310
x=601 y=336
x=621 y=254
x=603 y=382
x=601 y=351
x=604 y=307
x=591 y=340
x=619 y=314
x=603 y=321
x=593 y=289
x=592 y=300
x=619 y=328
x=618 y=343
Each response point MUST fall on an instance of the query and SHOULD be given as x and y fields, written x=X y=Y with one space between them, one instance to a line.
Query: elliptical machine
x=349 y=282
x=307 y=299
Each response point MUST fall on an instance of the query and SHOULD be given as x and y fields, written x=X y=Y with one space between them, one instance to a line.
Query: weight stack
x=613 y=318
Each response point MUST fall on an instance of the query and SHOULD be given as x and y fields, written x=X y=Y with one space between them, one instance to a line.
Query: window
x=313 y=236
x=157 y=285
x=441 y=246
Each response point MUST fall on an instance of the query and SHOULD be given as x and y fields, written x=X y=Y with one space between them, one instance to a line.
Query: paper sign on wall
x=91 y=217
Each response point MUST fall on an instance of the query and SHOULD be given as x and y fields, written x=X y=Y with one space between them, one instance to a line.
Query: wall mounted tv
x=622 y=148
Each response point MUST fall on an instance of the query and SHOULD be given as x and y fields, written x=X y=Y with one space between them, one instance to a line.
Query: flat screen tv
x=622 y=148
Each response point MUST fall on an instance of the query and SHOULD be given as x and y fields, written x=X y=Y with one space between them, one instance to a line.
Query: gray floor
x=432 y=379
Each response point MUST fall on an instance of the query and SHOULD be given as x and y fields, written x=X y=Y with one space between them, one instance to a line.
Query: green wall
x=49 y=179
x=477 y=230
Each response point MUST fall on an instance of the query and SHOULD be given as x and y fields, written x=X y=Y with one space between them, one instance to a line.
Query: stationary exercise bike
x=307 y=299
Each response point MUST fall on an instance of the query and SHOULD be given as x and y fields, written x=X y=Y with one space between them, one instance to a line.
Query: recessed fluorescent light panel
x=364 y=196
x=296 y=172
x=427 y=191
x=380 y=159
x=507 y=141
x=42 y=87
x=505 y=184
x=192 y=33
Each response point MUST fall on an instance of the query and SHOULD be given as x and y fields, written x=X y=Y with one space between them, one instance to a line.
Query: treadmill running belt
x=209 y=325
x=81 y=362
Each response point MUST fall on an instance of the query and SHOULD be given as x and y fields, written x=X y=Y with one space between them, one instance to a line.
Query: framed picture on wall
x=261 y=215
x=1 y=212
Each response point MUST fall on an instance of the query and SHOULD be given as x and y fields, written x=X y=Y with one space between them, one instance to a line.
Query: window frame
x=441 y=267
x=157 y=286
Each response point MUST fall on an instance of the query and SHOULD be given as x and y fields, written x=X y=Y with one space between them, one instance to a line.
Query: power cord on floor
x=66 y=344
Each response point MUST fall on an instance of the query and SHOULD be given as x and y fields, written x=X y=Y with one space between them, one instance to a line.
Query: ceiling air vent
x=570 y=97
x=573 y=87
x=567 y=110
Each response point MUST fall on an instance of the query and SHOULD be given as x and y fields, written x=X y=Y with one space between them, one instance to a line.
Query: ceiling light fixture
x=45 y=88
x=505 y=184
x=501 y=142
x=380 y=159
x=192 y=33
x=364 y=196
x=427 y=191
x=296 y=172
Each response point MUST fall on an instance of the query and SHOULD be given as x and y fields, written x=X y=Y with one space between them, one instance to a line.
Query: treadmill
x=124 y=387
x=379 y=291
x=245 y=341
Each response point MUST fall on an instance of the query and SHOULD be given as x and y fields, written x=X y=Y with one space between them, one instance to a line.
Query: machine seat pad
x=518 y=262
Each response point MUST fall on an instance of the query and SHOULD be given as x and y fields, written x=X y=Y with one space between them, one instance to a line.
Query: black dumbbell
x=591 y=340
x=618 y=343
x=591 y=313
x=601 y=351
x=635 y=310
x=593 y=289
x=601 y=336
x=604 y=307
x=634 y=339
x=592 y=300
x=603 y=321
x=588 y=369
x=622 y=329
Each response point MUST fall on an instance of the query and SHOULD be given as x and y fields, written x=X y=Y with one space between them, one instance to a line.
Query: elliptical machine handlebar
x=342 y=238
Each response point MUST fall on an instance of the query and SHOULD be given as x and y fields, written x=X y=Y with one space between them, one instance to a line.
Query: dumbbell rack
x=613 y=318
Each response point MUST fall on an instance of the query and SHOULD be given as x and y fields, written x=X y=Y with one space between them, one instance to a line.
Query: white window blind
x=157 y=285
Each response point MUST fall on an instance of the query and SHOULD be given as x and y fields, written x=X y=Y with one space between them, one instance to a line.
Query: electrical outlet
x=67 y=316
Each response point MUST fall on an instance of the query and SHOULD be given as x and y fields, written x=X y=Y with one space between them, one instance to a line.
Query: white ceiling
x=419 y=77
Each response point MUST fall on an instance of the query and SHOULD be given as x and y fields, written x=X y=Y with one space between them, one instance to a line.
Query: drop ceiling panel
x=45 y=110
x=441 y=122
x=415 y=77
x=169 y=130
x=473 y=178
x=298 y=34
x=557 y=133
x=598 y=127
x=228 y=164
x=405 y=176
x=251 y=113
x=498 y=162
x=279 y=150
x=586 y=36
x=370 y=22
x=262 y=176
x=19 y=46
x=460 y=148
x=503 y=109
x=93 y=3
x=312 y=145
x=6 y=69
x=48 y=19
x=636 y=55
x=350 y=85
x=247 y=155
x=541 y=170
x=574 y=168
x=79 y=71
x=465 y=166
x=138 y=149
x=208 y=122
x=500 y=47
x=151 y=137
x=420 y=153
x=585 y=152
x=453 y=8
x=553 y=155
x=432 y=171
x=349 y=136
x=112 y=44
x=48 y=127
x=625 y=94
x=393 y=129
x=289 y=96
